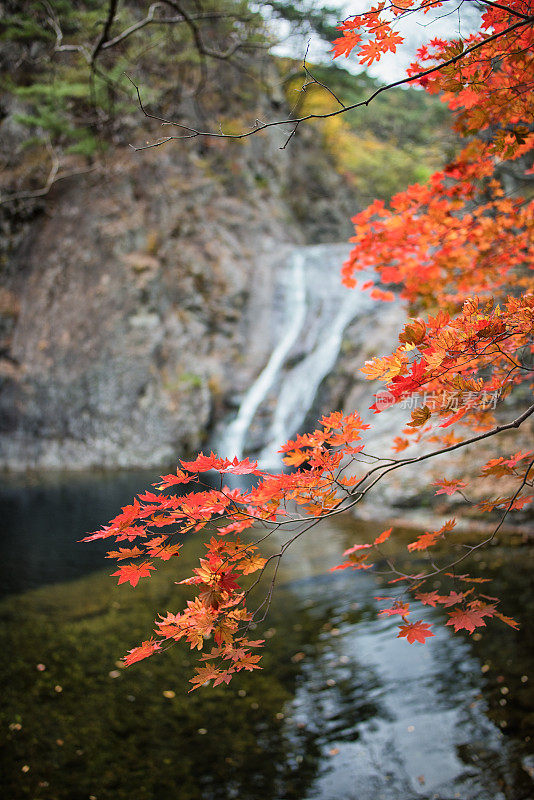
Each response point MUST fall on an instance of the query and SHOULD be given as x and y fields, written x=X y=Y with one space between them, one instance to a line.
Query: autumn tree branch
x=191 y=132
x=102 y=39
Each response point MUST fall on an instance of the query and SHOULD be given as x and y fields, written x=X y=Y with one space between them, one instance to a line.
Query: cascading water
x=234 y=439
x=317 y=309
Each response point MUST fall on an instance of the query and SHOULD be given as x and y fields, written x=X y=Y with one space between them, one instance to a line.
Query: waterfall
x=317 y=309
x=234 y=439
x=299 y=386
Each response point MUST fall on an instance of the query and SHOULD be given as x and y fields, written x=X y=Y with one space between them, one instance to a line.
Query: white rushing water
x=317 y=310
x=234 y=439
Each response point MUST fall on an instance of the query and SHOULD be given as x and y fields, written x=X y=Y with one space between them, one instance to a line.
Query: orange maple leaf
x=507 y=620
x=400 y=444
x=383 y=536
x=171 y=480
x=251 y=564
x=144 y=650
x=429 y=598
x=403 y=609
x=424 y=541
x=124 y=552
x=415 y=631
x=449 y=487
x=345 y=44
x=374 y=50
x=131 y=573
x=208 y=673
x=466 y=619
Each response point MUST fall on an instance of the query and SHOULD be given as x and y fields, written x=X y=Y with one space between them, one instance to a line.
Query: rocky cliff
x=136 y=300
x=139 y=290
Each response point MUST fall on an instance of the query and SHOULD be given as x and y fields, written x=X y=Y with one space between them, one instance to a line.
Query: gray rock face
x=138 y=304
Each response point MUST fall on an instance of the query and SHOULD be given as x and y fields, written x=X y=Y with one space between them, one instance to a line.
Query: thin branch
x=502 y=7
x=193 y=132
x=293 y=132
x=137 y=26
x=59 y=47
x=484 y=542
x=197 y=36
x=314 y=79
x=103 y=38
x=52 y=179
x=403 y=462
x=150 y=19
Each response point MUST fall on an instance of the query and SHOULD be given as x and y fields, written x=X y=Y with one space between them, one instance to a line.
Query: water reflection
x=413 y=721
x=342 y=709
x=42 y=521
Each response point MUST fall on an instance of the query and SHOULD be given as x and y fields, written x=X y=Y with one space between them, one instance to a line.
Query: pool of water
x=341 y=710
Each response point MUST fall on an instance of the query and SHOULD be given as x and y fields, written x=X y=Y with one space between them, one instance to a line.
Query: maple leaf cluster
x=458 y=360
x=218 y=613
x=458 y=250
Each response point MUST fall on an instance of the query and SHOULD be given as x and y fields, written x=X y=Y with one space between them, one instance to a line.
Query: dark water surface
x=43 y=520
x=342 y=709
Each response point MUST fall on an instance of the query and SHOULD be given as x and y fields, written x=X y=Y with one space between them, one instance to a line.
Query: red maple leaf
x=397 y=608
x=512 y=461
x=171 y=480
x=522 y=501
x=383 y=536
x=130 y=533
x=203 y=463
x=244 y=467
x=449 y=487
x=429 y=598
x=415 y=631
x=455 y=417
x=131 y=573
x=424 y=541
x=144 y=650
x=466 y=619
x=380 y=294
x=355 y=548
x=484 y=609
x=165 y=552
x=453 y=598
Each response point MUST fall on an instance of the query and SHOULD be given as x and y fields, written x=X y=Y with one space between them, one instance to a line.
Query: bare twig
x=194 y=132
x=151 y=19
x=53 y=178
x=314 y=79
x=104 y=36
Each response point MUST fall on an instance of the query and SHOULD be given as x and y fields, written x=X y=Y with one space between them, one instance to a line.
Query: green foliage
x=380 y=170
x=29 y=20
x=19 y=28
x=52 y=109
x=59 y=99
x=308 y=17
x=183 y=382
x=409 y=115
